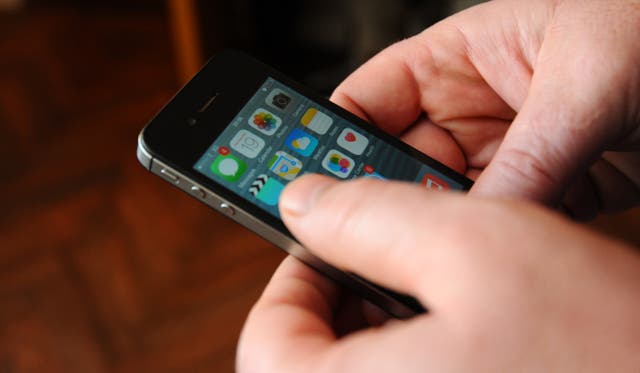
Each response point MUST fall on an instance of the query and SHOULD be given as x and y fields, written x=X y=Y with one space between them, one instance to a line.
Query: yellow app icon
x=316 y=121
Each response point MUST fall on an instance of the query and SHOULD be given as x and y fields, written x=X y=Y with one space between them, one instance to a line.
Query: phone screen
x=280 y=135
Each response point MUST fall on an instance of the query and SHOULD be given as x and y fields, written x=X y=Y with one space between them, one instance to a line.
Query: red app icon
x=433 y=182
x=369 y=169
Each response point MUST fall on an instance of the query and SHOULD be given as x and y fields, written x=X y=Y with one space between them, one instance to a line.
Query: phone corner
x=144 y=157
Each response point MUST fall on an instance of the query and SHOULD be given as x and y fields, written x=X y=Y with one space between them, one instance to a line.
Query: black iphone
x=239 y=131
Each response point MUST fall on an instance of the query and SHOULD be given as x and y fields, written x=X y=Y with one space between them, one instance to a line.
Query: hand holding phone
x=543 y=294
x=506 y=284
x=240 y=131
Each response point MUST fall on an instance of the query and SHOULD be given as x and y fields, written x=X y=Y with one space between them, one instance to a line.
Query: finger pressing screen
x=387 y=232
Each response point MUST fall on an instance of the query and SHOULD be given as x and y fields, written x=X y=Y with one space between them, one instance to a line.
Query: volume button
x=170 y=175
x=198 y=192
x=227 y=209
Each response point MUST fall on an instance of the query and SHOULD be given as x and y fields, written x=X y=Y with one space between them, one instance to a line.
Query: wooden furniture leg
x=186 y=37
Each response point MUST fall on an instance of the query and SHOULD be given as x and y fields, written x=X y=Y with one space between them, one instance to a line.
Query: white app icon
x=247 y=144
x=316 y=121
x=265 y=121
x=353 y=141
x=338 y=164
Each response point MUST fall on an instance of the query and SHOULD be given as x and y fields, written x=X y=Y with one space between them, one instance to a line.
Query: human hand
x=509 y=286
x=557 y=80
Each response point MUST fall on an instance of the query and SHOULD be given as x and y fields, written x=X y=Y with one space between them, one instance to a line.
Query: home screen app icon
x=266 y=189
x=353 y=141
x=285 y=165
x=228 y=167
x=247 y=144
x=338 y=164
x=265 y=121
x=301 y=142
x=316 y=121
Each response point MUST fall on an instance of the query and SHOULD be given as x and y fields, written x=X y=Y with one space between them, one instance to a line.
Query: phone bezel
x=235 y=77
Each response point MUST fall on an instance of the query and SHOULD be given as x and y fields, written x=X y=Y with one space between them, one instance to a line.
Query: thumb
x=550 y=143
x=573 y=110
x=376 y=229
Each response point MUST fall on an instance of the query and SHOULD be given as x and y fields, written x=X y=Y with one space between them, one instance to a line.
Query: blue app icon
x=301 y=142
x=266 y=189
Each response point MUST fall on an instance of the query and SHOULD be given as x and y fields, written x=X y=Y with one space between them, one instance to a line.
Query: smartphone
x=239 y=131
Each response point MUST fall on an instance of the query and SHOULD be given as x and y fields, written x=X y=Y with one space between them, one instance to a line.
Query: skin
x=538 y=294
x=534 y=100
x=538 y=101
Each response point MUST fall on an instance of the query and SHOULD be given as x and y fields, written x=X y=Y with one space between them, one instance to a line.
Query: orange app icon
x=433 y=182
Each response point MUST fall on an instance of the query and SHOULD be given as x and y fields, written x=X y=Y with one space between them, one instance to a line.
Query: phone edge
x=364 y=288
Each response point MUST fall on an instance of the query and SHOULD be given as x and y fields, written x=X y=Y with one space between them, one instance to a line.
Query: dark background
x=103 y=267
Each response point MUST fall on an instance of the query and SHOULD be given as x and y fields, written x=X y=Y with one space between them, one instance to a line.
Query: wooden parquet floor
x=103 y=267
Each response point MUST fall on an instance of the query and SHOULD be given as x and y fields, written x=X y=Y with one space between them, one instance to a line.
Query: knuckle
x=530 y=171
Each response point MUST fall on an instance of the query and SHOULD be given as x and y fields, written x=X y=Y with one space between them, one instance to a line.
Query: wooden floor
x=103 y=267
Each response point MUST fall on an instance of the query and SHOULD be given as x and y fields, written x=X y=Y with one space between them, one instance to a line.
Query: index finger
x=291 y=322
x=383 y=91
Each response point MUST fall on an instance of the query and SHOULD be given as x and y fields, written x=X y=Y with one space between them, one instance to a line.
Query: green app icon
x=228 y=167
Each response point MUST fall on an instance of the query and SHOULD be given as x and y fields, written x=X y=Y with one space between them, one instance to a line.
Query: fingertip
x=360 y=226
x=300 y=195
x=342 y=99
x=383 y=91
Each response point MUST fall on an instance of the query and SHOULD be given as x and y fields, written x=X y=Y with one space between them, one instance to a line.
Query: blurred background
x=104 y=267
